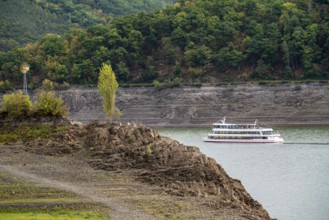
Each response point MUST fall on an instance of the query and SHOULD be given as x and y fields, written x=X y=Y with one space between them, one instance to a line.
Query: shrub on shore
x=48 y=104
x=18 y=105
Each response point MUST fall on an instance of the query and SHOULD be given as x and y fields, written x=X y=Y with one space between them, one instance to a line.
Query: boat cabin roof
x=223 y=122
x=217 y=123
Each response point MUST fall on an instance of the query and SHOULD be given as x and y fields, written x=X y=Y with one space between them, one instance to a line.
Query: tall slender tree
x=107 y=86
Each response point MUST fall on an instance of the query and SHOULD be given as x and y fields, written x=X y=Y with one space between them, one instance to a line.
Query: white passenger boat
x=242 y=133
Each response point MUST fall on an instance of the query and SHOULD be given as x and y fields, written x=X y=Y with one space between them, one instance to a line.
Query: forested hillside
x=23 y=21
x=193 y=41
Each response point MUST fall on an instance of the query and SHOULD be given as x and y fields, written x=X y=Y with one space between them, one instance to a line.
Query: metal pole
x=25 y=85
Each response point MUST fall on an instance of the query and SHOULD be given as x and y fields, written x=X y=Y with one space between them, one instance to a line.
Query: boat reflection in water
x=242 y=133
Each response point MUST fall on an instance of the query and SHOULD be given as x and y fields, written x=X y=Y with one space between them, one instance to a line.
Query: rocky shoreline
x=279 y=104
x=179 y=171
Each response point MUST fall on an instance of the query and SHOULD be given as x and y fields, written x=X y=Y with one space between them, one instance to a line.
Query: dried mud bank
x=180 y=171
x=191 y=106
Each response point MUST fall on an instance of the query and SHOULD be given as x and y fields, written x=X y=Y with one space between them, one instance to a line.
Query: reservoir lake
x=290 y=180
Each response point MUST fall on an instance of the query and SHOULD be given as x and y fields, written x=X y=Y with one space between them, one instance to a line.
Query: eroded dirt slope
x=133 y=171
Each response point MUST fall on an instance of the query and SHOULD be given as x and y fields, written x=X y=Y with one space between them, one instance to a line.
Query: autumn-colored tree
x=107 y=86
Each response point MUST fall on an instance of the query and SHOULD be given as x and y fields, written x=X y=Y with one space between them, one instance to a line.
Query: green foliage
x=47 y=85
x=130 y=139
x=158 y=85
x=107 y=86
x=48 y=104
x=16 y=105
x=26 y=21
x=203 y=41
x=4 y=85
x=176 y=82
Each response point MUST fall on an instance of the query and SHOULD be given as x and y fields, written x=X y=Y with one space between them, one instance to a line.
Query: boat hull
x=244 y=140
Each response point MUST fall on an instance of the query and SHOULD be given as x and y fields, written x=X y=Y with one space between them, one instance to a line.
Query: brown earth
x=133 y=171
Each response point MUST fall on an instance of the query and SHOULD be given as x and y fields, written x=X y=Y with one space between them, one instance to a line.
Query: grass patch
x=56 y=215
x=8 y=137
x=39 y=200
x=169 y=211
x=20 y=199
x=14 y=192
x=27 y=132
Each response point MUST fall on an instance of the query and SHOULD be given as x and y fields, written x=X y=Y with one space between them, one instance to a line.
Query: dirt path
x=117 y=209
x=118 y=192
x=70 y=175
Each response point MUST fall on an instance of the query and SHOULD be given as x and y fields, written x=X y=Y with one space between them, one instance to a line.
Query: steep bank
x=191 y=106
x=142 y=154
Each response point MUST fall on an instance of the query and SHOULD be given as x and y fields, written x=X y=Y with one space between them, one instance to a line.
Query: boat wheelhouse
x=242 y=133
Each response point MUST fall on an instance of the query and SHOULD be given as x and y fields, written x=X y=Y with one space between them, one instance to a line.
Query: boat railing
x=245 y=135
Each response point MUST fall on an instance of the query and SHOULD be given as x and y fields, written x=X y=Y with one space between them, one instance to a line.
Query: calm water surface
x=290 y=180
